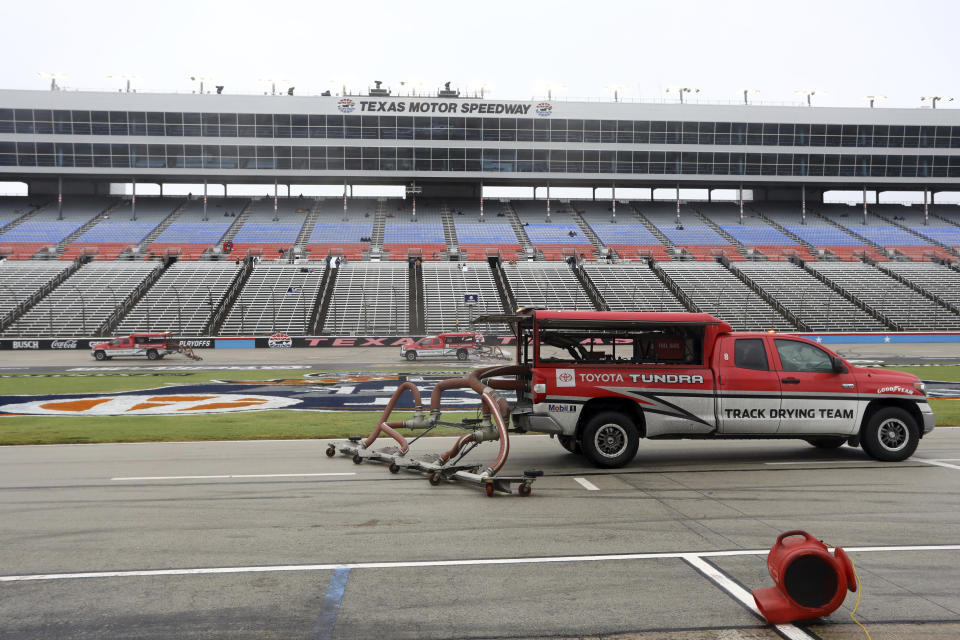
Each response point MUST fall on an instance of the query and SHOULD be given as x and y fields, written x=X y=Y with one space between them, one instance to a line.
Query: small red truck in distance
x=445 y=345
x=152 y=345
x=601 y=381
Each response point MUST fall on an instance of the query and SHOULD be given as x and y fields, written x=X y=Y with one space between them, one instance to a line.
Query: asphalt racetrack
x=272 y=539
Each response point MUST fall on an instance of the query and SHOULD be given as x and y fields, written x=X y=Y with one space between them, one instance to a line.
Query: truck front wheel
x=411 y=355
x=462 y=354
x=153 y=355
x=100 y=355
x=610 y=439
x=890 y=435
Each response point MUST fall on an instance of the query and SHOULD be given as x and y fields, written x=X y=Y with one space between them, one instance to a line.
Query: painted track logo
x=346 y=105
x=149 y=404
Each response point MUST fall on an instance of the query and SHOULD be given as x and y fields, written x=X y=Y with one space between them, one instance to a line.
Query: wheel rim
x=893 y=434
x=610 y=440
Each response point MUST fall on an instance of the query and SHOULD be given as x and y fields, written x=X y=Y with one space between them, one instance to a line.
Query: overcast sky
x=843 y=49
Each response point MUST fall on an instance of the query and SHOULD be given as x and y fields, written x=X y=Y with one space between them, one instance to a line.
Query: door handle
x=847 y=385
x=790 y=381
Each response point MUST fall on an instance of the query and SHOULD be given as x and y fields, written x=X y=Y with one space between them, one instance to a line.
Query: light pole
x=125 y=77
x=934 y=99
x=53 y=79
x=808 y=93
x=83 y=308
x=616 y=88
x=682 y=90
x=746 y=93
x=201 y=80
x=873 y=99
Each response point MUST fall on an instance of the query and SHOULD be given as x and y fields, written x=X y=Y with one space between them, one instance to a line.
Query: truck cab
x=445 y=345
x=601 y=381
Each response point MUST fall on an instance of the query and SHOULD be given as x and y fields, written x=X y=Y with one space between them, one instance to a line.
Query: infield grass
x=277 y=424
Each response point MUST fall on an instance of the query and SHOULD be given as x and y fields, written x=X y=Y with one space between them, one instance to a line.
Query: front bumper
x=928 y=417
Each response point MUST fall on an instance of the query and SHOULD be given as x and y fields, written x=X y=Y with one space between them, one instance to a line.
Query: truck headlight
x=922 y=388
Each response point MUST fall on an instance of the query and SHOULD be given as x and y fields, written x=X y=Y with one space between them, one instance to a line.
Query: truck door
x=748 y=389
x=816 y=399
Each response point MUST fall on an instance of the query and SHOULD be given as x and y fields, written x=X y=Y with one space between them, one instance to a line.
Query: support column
x=59 y=197
x=740 y=198
x=548 y=202
x=205 y=198
x=803 y=204
x=481 y=201
x=926 y=209
x=864 y=205
x=344 y=201
x=276 y=217
x=678 y=204
x=613 y=193
x=133 y=201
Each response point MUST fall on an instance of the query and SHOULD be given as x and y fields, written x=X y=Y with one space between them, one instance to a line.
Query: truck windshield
x=674 y=345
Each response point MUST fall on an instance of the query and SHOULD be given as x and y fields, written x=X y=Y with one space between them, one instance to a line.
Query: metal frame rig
x=491 y=426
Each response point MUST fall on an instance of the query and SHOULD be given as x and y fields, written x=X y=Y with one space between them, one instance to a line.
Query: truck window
x=749 y=353
x=800 y=356
x=642 y=345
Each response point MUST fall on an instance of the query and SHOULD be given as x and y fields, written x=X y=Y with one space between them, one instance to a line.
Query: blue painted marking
x=331 y=605
x=235 y=344
x=883 y=338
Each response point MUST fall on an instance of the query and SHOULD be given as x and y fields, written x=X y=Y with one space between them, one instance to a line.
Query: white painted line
x=442 y=563
x=249 y=475
x=938 y=463
x=822 y=462
x=743 y=596
x=586 y=484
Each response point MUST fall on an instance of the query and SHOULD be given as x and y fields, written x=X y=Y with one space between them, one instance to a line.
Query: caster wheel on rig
x=357 y=459
x=435 y=478
x=489 y=488
x=394 y=467
x=331 y=451
x=524 y=489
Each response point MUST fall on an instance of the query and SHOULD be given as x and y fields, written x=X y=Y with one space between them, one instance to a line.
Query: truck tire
x=827 y=442
x=571 y=444
x=411 y=355
x=610 y=439
x=462 y=354
x=100 y=355
x=890 y=435
x=153 y=355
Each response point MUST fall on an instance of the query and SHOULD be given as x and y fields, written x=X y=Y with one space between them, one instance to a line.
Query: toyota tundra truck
x=152 y=345
x=601 y=381
x=445 y=345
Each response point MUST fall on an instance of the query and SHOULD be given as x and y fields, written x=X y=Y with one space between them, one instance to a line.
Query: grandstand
x=784 y=259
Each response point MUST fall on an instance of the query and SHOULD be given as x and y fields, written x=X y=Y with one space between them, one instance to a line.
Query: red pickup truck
x=445 y=345
x=601 y=381
x=152 y=345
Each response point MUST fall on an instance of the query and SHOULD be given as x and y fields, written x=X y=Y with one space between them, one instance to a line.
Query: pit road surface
x=252 y=539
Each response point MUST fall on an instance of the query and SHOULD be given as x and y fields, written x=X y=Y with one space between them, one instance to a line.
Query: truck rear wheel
x=890 y=435
x=610 y=439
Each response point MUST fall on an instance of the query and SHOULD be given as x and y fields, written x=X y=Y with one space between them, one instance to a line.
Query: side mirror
x=838 y=366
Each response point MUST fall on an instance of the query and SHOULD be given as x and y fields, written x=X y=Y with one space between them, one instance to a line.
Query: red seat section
x=634 y=251
x=562 y=251
x=923 y=254
x=268 y=250
x=428 y=251
x=711 y=252
x=22 y=250
x=350 y=251
x=779 y=252
x=98 y=250
x=186 y=251
x=479 y=251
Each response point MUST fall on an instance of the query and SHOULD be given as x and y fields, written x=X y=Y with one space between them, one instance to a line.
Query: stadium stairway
x=449 y=230
x=166 y=222
x=321 y=306
x=591 y=288
x=241 y=218
x=809 y=252
x=946 y=253
x=417 y=321
x=117 y=315
x=26 y=304
x=740 y=247
x=763 y=293
x=652 y=228
x=517 y=226
x=23 y=218
x=89 y=224
x=308 y=223
x=599 y=249
x=507 y=300
x=379 y=228
x=887 y=322
x=919 y=289
x=875 y=251
x=216 y=320
x=674 y=288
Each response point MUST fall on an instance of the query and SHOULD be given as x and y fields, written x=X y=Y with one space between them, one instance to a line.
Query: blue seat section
x=624 y=234
x=413 y=233
x=822 y=235
x=347 y=232
x=52 y=231
x=949 y=236
x=208 y=232
x=485 y=233
x=888 y=235
x=693 y=234
x=758 y=235
x=273 y=232
x=110 y=231
x=556 y=233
